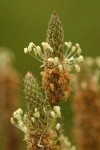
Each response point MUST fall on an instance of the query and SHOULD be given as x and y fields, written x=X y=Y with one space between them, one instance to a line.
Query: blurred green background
x=24 y=21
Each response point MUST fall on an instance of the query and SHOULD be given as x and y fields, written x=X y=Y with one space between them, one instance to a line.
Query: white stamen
x=77 y=68
x=12 y=120
x=31 y=44
x=24 y=129
x=36 y=109
x=46 y=46
x=53 y=114
x=72 y=58
x=58 y=126
x=57 y=110
x=33 y=120
x=73 y=49
x=37 y=115
x=79 y=51
x=60 y=67
x=80 y=58
x=68 y=44
x=77 y=45
x=25 y=50
x=35 y=51
x=38 y=50
x=29 y=48
x=51 y=60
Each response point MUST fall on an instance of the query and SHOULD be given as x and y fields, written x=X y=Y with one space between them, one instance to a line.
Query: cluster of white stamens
x=36 y=51
x=56 y=113
x=36 y=114
x=72 y=55
x=19 y=120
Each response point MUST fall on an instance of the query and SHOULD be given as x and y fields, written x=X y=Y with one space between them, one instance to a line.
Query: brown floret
x=56 y=84
x=46 y=140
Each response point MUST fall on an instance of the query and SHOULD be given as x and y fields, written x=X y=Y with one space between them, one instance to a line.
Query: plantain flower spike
x=55 y=37
x=57 y=57
x=86 y=106
x=39 y=123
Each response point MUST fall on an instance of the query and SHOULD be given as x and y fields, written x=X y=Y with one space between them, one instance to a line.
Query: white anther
x=53 y=114
x=24 y=129
x=25 y=50
x=31 y=44
x=57 y=110
x=77 y=45
x=68 y=44
x=79 y=51
x=38 y=50
x=46 y=46
x=73 y=49
x=29 y=48
x=77 y=68
x=72 y=58
x=33 y=120
x=37 y=115
x=51 y=60
x=80 y=58
x=35 y=51
x=36 y=109
x=12 y=120
x=20 y=111
x=57 y=126
x=60 y=67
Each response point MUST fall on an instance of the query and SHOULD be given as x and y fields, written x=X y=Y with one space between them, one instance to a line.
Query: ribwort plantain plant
x=9 y=99
x=41 y=122
x=56 y=60
x=86 y=106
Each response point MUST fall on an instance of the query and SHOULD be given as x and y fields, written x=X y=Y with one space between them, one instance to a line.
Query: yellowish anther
x=29 y=48
x=73 y=49
x=79 y=51
x=33 y=120
x=38 y=50
x=25 y=50
x=77 y=45
x=24 y=129
x=60 y=67
x=77 y=68
x=31 y=44
x=46 y=46
x=68 y=44
x=80 y=58
x=72 y=58
x=35 y=51
x=12 y=120
x=51 y=60
x=57 y=126
x=53 y=114
x=36 y=115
